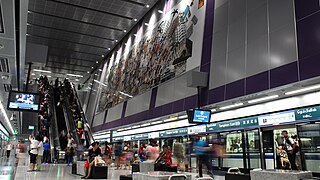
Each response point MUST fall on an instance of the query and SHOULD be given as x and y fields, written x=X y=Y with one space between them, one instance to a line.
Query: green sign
x=117 y=139
x=237 y=123
x=307 y=113
x=15 y=132
x=174 y=132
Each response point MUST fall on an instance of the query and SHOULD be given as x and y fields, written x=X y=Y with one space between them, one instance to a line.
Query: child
x=283 y=157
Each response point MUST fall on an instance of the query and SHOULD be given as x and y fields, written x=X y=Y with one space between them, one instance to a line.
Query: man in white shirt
x=288 y=147
x=33 y=152
x=9 y=147
x=40 y=154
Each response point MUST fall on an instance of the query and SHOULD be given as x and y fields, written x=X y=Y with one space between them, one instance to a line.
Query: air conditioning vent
x=7 y=87
x=4 y=65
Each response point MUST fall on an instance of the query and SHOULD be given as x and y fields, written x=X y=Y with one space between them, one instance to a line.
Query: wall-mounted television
x=23 y=101
x=199 y=116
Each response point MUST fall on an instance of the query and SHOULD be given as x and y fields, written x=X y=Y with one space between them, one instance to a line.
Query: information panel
x=310 y=113
x=232 y=124
x=174 y=132
x=277 y=118
x=201 y=116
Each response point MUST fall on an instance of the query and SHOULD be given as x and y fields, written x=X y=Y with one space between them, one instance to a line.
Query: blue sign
x=201 y=116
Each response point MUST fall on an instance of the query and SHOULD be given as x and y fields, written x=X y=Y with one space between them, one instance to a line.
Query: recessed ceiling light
x=74 y=75
x=135 y=19
x=33 y=74
x=76 y=79
x=100 y=69
x=97 y=62
x=124 y=30
x=92 y=67
x=40 y=70
x=147 y=6
x=303 y=90
x=231 y=106
x=49 y=76
x=88 y=72
x=102 y=55
x=96 y=74
x=263 y=99
x=109 y=49
x=146 y=24
x=159 y=11
x=116 y=40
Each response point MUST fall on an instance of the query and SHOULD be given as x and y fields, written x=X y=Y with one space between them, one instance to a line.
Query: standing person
x=142 y=153
x=118 y=154
x=201 y=150
x=288 y=145
x=9 y=147
x=178 y=153
x=165 y=156
x=107 y=153
x=33 y=152
x=40 y=154
x=46 y=152
x=152 y=151
x=135 y=152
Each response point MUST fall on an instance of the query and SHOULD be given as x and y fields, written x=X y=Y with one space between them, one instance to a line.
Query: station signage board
x=140 y=136
x=309 y=113
x=174 y=132
x=233 y=124
x=117 y=139
x=197 y=129
x=153 y=135
x=277 y=118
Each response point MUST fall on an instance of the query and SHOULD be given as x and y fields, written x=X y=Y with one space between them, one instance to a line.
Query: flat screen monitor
x=23 y=101
x=199 y=116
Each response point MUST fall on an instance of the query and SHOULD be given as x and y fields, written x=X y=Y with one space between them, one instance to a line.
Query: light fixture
x=147 y=5
x=76 y=79
x=156 y=122
x=100 y=70
x=33 y=74
x=231 y=106
x=4 y=113
x=125 y=94
x=92 y=67
x=303 y=90
x=88 y=72
x=146 y=24
x=116 y=40
x=135 y=19
x=263 y=99
x=145 y=124
x=40 y=70
x=135 y=35
x=102 y=55
x=109 y=49
x=99 y=82
x=213 y=110
x=124 y=30
x=96 y=74
x=49 y=76
x=183 y=116
x=170 y=119
x=97 y=62
x=75 y=75
x=159 y=11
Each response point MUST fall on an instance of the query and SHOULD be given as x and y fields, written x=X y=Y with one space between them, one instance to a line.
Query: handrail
x=54 y=124
x=83 y=117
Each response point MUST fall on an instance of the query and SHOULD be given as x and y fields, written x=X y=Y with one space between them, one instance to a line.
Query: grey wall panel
x=235 y=65
x=237 y=9
x=218 y=71
x=237 y=34
x=281 y=13
x=138 y=104
x=257 y=56
x=174 y=90
x=283 y=46
x=221 y=17
x=257 y=23
x=98 y=119
x=114 y=113
x=252 y=5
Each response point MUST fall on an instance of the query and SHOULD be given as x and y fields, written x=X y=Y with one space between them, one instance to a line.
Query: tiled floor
x=52 y=171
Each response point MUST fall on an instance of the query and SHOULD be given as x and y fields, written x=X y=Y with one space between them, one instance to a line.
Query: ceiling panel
x=79 y=32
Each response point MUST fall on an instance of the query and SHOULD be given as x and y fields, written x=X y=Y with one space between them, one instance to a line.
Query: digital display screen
x=31 y=128
x=200 y=116
x=23 y=101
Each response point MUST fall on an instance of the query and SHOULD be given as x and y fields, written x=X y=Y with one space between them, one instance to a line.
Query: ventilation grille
x=4 y=65
x=7 y=87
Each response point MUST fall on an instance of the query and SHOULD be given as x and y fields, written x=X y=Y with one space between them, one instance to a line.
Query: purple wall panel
x=283 y=75
x=308 y=36
x=178 y=106
x=190 y=102
x=235 y=89
x=309 y=67
x=257 y=83
x=167 y=109
x=306 y=7
x=217 y=94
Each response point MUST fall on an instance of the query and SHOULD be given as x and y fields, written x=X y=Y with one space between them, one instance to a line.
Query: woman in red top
x=165 y=156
